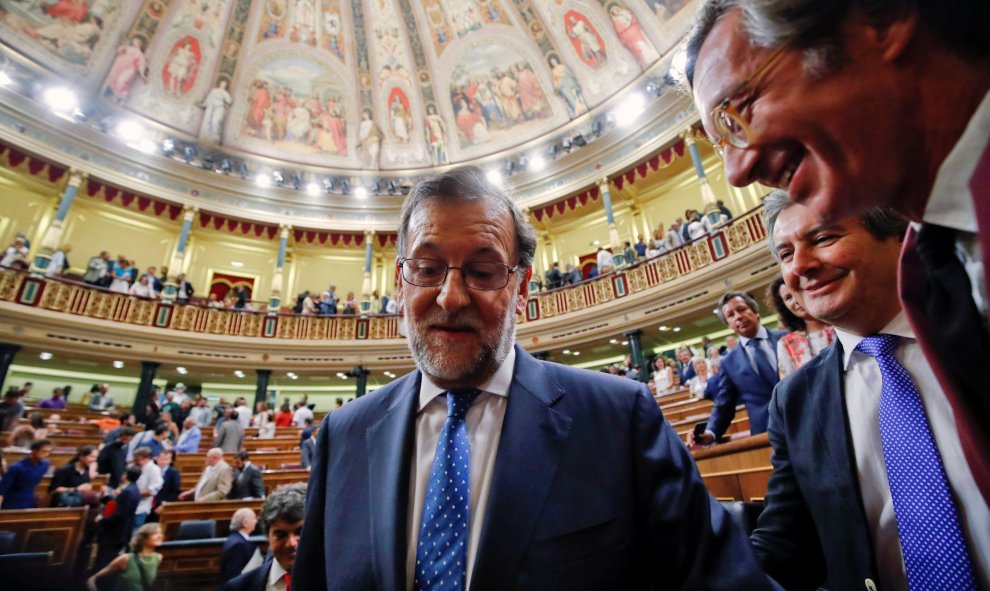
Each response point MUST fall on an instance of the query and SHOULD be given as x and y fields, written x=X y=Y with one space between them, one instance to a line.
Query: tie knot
x=459 y=401
x=881 y=345
x=754 y=342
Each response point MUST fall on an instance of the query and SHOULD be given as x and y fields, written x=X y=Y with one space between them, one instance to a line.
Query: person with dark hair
x=126 y=420
x=282 y=516
x=117 y=521
x=171 y=481
x=11 y=409
x=568 y=479
x=786 y=89
x=18 y=483
x=307 y=449
x=57 y=401
x=238 y=548
x=248 y=482
x=149 y=484
x=112 y=459
x=152 y=439
x=72 y=480
x=137 y=569
x=748 y=374
x=808 y=337
x=283 y=418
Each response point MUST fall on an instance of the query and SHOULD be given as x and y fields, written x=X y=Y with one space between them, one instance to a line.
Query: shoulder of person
x=797 y=384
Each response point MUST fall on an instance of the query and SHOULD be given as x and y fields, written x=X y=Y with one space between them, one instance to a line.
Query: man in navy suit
x=747 y=374
x=831 y=519
x=487 y=469
x=238 y=548
x=283 y=517
x=248 y=482
x=115 y=530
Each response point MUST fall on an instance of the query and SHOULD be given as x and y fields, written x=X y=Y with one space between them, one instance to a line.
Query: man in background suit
x=248 y=482
x=568 y=479
x=238 y=548
x=216 y=481
x=747 y=374
x=914 y=74
x=115 y=529
x=833 y=519
x=229 y=434
x=282 y=516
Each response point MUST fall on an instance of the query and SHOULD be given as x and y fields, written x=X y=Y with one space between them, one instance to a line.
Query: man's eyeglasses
x=432 y=273
x=730 y=127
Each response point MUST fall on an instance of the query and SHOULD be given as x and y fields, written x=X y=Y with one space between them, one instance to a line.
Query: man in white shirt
x=787 y=90
x=179 y=394
x=283 y=516
x=148 y=484
x=243 y=413
x=605 y=260
x=301 y=414
x=488 y=465
x=839 y=501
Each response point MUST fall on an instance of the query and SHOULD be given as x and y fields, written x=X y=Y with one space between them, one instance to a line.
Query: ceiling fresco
x=385 y=85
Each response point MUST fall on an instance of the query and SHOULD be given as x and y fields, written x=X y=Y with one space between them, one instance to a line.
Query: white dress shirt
x=484 y=428
x=151 y=479
x=951 y=201
x=862 y=394
x=276 y=577
x=243 y=416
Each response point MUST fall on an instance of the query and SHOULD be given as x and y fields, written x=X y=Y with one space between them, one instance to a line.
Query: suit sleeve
x=224 y=483
x=725 y=405
x=692 y=541
x=785 y=539
x=257 y=485
x=221 y=435
x=309 y=568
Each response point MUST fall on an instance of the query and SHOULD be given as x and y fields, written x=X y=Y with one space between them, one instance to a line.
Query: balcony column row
x=52 y=238
x=171 y=286
x=275 y=299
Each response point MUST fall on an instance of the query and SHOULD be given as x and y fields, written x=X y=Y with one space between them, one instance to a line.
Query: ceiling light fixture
x=118 y=364
x=5 y=78
x=537 y=163
x=45 y=355
x=313 y=189
x=130 y=131
x=361 y=193
x=60 y=99
x=263 y=180
x=182 y=370
x=629 y=109
x=239 y=373
x=236 y=264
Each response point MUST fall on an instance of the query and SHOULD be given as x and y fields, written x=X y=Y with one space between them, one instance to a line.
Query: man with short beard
x=488 y=469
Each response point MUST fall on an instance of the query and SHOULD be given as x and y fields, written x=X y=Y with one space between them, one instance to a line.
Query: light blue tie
x=441 y=553
x=935 y=553
x=763 y=366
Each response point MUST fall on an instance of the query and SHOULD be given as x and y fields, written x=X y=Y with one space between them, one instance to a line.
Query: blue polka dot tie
x=935 y=553
x=441 y=554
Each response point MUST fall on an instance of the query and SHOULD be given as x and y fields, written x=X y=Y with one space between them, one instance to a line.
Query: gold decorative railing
x=80 y=299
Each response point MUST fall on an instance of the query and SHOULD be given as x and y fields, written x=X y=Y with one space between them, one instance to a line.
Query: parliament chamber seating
x=58 y=531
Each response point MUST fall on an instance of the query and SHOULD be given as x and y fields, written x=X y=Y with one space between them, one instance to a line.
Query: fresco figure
x=72 y=10
x=370 y=140
x=216 y=103
x=399 y=118
x=530 y=94
x=567 y=86
x=631 y=35
x=334 y=120
x=129 y=63
x=261 y=101
x=586 y=41
x=180 y=71
x=436 y=136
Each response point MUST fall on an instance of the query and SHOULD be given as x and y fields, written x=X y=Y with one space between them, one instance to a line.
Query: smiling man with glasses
x=488 y=469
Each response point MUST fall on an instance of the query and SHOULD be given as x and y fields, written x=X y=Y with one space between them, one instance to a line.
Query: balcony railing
x=80 y=299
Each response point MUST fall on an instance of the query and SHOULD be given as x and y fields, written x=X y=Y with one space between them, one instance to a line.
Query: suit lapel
x=389 y=456
x=534 y=436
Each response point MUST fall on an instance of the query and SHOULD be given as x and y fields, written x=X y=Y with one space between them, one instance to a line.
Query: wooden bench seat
x=266 y=460
x=256 y=445
x=173 y=514
x=750 y=452
x=41 y=491
x=59 y=531
x=745 y=484
x=194 y=565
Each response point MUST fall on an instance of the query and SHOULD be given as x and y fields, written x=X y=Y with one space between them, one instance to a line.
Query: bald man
x=215 y=483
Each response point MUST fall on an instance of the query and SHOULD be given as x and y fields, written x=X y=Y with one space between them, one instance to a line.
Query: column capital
x=633 y=333
x=284 y=230
x=603 y=184
x=369 y=233
x=688 y=137
x=189 y=208
x=76 y=177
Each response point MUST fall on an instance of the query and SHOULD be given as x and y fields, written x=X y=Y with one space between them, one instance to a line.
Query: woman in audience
x=143 y=289
x=41 y=431
x=699 y=382
x=284 y=416
x=20 y=439
x=121 y=277
x=137 y=569
x=173 y=428
x=808 y=336
x=663 y=376
x=260 y=417
x=267 y=430
x=350 y=304
x=71 y=481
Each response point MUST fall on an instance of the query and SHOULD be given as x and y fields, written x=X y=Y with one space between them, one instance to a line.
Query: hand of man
x=185 y=496
x=706 y=438
x=84 y=487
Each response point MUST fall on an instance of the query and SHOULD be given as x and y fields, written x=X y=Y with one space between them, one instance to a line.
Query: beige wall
x=24 y=203
x=315 y=267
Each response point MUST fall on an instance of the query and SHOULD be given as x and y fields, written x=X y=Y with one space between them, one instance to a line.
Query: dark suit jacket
x=171 y=487
x=591 y=489
x=739 y=382
x=255 y=580
x=237 y=552
x=247 y=483
x=813 y=531
x=116 y=528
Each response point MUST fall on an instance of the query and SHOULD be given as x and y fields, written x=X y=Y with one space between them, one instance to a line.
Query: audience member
x=808 y=336
x=171 y=481
x=101 y=399
x=116 y=524
x=215 y=483
x=16 y=255
x=72 y=480
x=282 y=516
x=137 y=570
x=125 y=420
x=149 y=484
x=143 y=288
x=170 y=405
x=310 y=306
x=605 y=260
x=307 y=450
x=57 y=401
x=112 y=459
x=327 y=305
x=185 y=289
x=640 y=247
x=663 y=376
x=190 y=438
x=248 y=482
x=553 y=276
x=153 y=440
x=201 y=413
x=229 y=435
x=686 y=357
x=283 y=418
x=238 y=548
x=20 y=439
x=301 y=413
x=260 y=417
x=242 y=412
x=351 y=304
x=748 y=374
x=11 y=409
x=19 y=481
x=698 y=385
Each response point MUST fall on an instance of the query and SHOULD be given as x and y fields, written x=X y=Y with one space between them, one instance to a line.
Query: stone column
x=361 y=376
x=53 y=235
x=707 y=195
x=275 y=299
x=7 y=353
x=145 y=388
x=613 y=233
x=636 y=351
x=170 y=289
x=261 y=390
x=369 y=239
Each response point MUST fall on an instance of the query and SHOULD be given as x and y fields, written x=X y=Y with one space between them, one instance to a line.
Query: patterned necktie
x=441 y=553
x=763 y=365
x=935 y=554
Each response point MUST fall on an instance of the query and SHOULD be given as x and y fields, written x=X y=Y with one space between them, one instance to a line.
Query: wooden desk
x=173 y=514
x=58 y=531
x=194 y=566
x=750 y=452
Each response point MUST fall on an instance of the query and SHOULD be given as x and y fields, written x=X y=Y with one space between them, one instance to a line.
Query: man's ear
x=523 y=295
x=890 y=38
x=399 y=292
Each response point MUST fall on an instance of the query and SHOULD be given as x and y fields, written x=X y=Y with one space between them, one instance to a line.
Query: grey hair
x=881 y=222
x=729 y=295
x=237 y=521
x=469 y=184
x=814 y=25
x=287 y=503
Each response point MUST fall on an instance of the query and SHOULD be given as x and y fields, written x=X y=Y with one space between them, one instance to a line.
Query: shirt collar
x=951 y=201
x=899 y=326
x=498 y=384
x=760 y=334
x=276 y=573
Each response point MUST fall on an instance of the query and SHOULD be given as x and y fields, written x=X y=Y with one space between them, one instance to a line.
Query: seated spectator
x=190 y=438
x=100 y=399
x=11 y=409
x=171 y=481
x=201 y=413
x=72 y=480
x=57 y=401
x=19 y=481
x=699 y=383
x=282 y=517
x=112 y=459
x=216 y=481
x=572 y=275
x=283 y=418
x=327 y=304
x=16 y=255
x=302 y=413
x=115 y=529
x=248 y=482
x=808 y=336
x=137 y=570
x=238 y=549
x=213 y=301
x=351 y=304
x=173 y=427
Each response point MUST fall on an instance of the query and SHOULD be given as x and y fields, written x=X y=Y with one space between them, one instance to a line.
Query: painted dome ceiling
x=348 y=85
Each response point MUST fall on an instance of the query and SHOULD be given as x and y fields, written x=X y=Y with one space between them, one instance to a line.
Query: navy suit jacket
x=739 y=382
x=116 y=528
x=247 y=483
x=813 y=532
x=237 y=552
x=254 y=580
x=591 y=489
